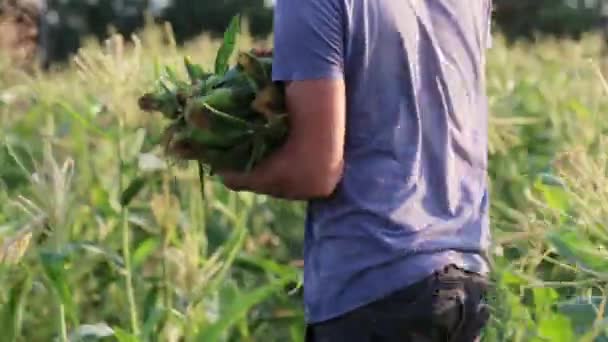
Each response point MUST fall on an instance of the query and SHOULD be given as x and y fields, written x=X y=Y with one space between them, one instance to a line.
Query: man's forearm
x=288 y=175
x=272 y=177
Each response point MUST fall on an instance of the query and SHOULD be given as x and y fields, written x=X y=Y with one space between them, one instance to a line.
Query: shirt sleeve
x=308 y=40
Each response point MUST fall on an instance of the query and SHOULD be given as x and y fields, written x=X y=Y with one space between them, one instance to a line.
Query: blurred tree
x=64 y=22
x=189 y=18
x=526 y=18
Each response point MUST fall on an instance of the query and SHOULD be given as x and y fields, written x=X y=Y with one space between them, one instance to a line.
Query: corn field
x=190 y=262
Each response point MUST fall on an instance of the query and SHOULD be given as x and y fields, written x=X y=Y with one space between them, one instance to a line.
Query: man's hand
x=309 y=165
x=236 y=181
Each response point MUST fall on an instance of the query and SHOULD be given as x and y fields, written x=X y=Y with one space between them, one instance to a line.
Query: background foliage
x=526 y=18
x=64 y=23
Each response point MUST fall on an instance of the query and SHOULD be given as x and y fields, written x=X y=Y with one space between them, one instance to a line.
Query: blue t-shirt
x=414 y=193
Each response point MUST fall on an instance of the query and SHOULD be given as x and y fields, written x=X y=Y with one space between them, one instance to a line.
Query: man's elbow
x=324 y=181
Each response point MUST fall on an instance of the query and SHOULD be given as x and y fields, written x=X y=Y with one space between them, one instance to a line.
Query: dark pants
x=445 y=307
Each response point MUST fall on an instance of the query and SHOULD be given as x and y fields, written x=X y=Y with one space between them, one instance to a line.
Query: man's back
x=413 y=196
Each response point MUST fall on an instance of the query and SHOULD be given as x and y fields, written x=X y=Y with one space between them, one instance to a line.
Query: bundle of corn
x=229 y=119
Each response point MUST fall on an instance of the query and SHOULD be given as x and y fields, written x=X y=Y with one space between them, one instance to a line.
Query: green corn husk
x=213 y=138
x=270 y=101
x=257 y=68
x=163 y=100
x=235 y=100
x=201 y=115
x=234 y=158
x=230 y=119
x=195 y=72
x=221 y=121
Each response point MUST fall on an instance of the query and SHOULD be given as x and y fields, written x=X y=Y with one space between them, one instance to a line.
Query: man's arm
x=308 y=57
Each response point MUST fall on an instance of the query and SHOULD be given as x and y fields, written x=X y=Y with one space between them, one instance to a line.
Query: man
x=388 y=144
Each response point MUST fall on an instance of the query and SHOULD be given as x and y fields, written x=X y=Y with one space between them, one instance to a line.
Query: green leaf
x=295 y=331
x=134 y=142
x=112 y=257
x=225 y=118
x=88 y=332
x=581 y=111
x=238 y=308
x=150 y=302
x=12 y=311
x=555 y=196
x=578 y=249
x=167 y=89
x=195 y=71
x=259 y=69
x=157 y=67
x=144 y=250
x=269 y=266
x=228 y=46
x=555 y=328
x=156 y=316
x=213 y=139
x=227 y=253
x=85 y=122
x=510 y=278
x=582 y=311
x=171 y=75
x=54 y=267
x=17 y=156
x=132 y=190
x=548 y=179
x=544 y=298
x=124 y=336
x=211 y=82
x=259 y=150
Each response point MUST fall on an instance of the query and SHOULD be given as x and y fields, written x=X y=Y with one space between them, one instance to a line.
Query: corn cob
x=163 y=100
x=234 y=100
